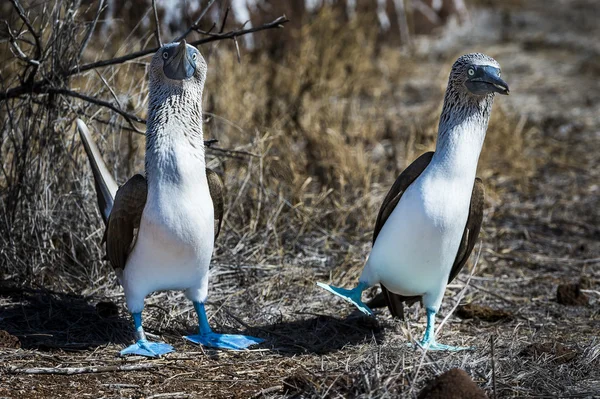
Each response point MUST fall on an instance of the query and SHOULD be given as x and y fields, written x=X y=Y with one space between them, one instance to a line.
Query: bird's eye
x=165 y=55
x=194 y=56
x=471 y=72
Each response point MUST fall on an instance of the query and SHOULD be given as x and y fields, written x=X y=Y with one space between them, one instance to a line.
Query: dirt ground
x=541 y=230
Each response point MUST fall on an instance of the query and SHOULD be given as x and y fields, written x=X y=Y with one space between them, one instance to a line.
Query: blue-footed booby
x=430 y=219
x=160 y=228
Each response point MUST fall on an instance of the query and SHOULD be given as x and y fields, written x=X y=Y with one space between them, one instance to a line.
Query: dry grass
x=332 y=120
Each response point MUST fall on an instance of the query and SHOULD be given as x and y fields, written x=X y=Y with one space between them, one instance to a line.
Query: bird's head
x=178 y=63
x=477 y=74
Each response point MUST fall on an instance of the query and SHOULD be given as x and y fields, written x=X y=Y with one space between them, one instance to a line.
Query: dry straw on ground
x=324 y=120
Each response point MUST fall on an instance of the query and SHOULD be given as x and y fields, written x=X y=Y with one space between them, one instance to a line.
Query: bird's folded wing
x=472 y=228
x=392 y=198
x=215 y=186
x=125 y=219
x=406 y=178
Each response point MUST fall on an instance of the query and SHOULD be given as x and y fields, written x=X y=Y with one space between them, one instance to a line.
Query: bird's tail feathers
x=106 y=186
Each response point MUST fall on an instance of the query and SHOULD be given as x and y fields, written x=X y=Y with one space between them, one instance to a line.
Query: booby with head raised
x=430 y=219
x=161 y=227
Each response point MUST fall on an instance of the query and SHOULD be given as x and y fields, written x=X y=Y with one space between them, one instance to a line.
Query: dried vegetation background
x=323 y=115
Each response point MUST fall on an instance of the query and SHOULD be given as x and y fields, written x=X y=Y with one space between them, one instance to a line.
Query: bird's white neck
x=174 y=139
x=461 y=134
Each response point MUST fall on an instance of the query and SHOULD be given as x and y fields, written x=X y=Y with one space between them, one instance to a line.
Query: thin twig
x=195 y=24
x=169 y=395
x=237 y=50
x=93 y=100
x=90 y=31
x=156 y=24
x=264 y=392
x=83 y=370
x=234 y=152
x=36 y=36
x=114 y=95
x=224 y=20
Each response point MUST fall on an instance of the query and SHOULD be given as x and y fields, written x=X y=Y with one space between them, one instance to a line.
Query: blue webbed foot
x=224 y=341
x=435 y=346
x=353 y=296
x=209 y=339
x=429 y=343
x=146 y=348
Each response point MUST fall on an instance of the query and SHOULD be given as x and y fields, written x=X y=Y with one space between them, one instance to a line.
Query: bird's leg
x=206 y=337
x=428 y=342
x=353 y=296
x=143 y=347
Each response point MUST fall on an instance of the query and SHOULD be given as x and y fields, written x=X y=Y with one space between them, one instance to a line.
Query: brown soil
x=453 y=384
x=484 y=313
x=553 y=351
x=7 y=340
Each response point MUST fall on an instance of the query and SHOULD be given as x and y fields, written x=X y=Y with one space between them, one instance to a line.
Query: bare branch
x=102 y=103
x=233 y=153
x=156 y=24
x=83 y=370
x=224 y=19
x=195 y=24
x=278 y=23
x=36 y=36
x=15 y=46
x=41 y=86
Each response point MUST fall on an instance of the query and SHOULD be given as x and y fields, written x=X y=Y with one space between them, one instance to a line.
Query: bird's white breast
x=176 y=235
x=416 y=248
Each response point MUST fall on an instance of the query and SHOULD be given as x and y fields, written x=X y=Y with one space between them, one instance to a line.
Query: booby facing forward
x=430 y=219
x=171 y=207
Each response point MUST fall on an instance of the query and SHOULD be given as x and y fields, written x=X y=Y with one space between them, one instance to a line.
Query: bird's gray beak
x=181 y=66
x=498 y=85
x=487 y=80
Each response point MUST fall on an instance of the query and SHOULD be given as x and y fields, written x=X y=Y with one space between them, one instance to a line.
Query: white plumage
x=416 y=248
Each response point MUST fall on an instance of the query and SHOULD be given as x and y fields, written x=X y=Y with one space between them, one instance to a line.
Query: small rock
x=560 y=354
x=7 y=340
x=107 y=309
x=453 y=384
x=571 y=295
x=485 y=313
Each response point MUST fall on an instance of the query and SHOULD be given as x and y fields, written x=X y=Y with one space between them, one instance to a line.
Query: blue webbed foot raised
x=353 y=296
x=146 y=348
x=224 y=341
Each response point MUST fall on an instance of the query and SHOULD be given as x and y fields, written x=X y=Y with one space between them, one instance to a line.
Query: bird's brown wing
x=392 y=198
x=409 y=175
x=124 y=219
x=467 y=243
x=215 y=186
